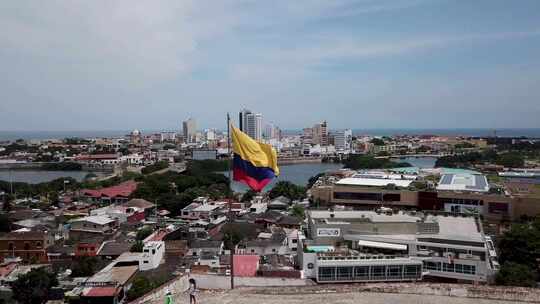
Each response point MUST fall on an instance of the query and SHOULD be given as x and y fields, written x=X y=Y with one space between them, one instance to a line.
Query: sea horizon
x=467 y=132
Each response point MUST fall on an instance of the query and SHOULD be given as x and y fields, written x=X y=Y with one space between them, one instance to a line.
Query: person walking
x=168 y=296
x=192 y=291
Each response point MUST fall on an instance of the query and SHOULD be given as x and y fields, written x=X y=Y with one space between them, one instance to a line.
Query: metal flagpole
x=230 y=202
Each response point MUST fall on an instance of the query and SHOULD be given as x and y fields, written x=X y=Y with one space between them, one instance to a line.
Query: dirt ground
x=249 y=297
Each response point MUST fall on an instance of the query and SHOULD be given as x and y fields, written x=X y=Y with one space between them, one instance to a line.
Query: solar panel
x=446 y=179
x=479 y=183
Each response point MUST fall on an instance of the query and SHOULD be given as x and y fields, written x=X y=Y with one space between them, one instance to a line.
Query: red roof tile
x=246 y=265
x=122 y=190
x=101 y=292
x=159 y=235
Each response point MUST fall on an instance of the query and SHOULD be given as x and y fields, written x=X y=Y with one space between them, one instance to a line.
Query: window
x=448 y=267
x=412 y=271
x=153 y=251
x=293 y=249
x=26 y=246
x=394 y=271
x=469 y=269
x=327 y=273
x=273 y=249
x=361 y=272
x=358 y=196
x=145 y=262
x=11 y=246
x=344 y=273
x=294 y=241
x=432 y=266
x=38 y=244
x=378 y=271
x=310 y=265
x=252 y=250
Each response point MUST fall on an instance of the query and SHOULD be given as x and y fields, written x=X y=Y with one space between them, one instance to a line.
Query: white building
x=168 y=136
x=210 y=134
x=343 y=139
x=258 y=208
x=152 y=255
x=395 y=247
x=271 y=132
x=99 y=224
x=133 y=159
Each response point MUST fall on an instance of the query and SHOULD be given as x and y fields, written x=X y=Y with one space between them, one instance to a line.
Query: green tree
x=34 y=286
x=248 y=196
x=140 y=286
x=287 y=189
x=84 y=267
x=510 y=160
x=521 y=244
x=231 y=238
x=377 y=142
x=314 y=179
x=137 y=247
x=144 y=233
x=514 y=274
x=160 y=165
x=298 y=211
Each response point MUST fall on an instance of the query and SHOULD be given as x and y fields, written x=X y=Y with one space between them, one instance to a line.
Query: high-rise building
x=271 y=131
x=307 y=136
x=320 y=134
x=242 y=119
x=190 y=130
x=251 y=124
x=342 y=139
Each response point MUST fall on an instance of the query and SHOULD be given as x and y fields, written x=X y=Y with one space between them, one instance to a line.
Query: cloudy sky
x=109 y=65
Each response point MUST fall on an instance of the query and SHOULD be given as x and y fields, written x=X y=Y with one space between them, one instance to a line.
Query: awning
x=382 y=245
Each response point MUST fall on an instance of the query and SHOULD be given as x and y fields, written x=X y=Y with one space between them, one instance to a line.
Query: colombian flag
x=254 y=163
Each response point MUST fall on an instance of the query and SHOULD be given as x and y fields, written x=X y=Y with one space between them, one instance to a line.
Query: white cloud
x=170 y=57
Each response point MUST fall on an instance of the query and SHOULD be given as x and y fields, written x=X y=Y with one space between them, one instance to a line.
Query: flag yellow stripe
x=259 y=154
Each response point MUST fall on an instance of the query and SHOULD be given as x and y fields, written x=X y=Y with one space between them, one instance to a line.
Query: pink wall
x=246 y=265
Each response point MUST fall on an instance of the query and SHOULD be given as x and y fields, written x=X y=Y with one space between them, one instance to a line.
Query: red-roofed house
x=102 y=295
x=115 y=194
x=246 y=265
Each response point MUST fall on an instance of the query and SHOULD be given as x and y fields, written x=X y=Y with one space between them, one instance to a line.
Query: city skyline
x=357 y=64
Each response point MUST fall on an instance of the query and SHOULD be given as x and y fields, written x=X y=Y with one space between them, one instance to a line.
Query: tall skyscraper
x=242 y=119
x=320 y=134
x=251 y=124
x=190 y=130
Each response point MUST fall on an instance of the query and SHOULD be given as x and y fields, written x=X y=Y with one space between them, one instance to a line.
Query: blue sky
x=106 y=65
